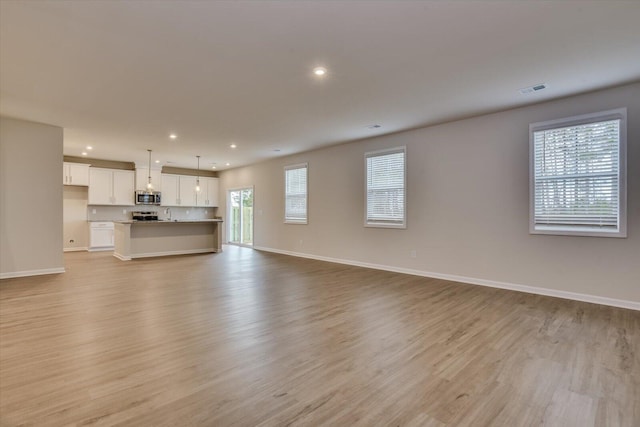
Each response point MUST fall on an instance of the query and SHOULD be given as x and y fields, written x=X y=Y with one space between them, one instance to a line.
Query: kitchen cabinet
x=111 y=187
x=178 y=190
x=101 y=236
x=142 y=178
x=208 y=195
x=169 y=185
x=188 y=190
x=75 y=174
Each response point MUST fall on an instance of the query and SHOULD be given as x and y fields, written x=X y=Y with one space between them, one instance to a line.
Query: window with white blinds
x=578 y=177
x=386 y=190
x=295 y=190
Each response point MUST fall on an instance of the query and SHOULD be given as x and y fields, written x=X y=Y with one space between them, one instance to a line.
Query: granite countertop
x=173 y=221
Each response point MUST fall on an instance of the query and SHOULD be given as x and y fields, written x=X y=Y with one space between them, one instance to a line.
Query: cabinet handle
x=70 y=179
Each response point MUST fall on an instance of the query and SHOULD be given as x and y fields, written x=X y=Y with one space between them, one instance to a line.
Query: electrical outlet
x=124 y=211
x=413 y=253
x=93 y=211
x=72 y=241
x=206 y=211
x=187 y=212
x=300 y=242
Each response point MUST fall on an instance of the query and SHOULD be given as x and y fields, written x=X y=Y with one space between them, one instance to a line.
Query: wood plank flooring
x=245 y=338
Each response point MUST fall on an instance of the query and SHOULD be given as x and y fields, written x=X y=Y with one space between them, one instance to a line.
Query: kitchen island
x=142 y=239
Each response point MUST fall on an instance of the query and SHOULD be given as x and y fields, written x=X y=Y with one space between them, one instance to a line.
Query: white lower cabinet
x=101 y=236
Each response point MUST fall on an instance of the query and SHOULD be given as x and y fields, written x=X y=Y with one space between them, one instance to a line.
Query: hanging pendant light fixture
x=149 y=184
x=198 y=178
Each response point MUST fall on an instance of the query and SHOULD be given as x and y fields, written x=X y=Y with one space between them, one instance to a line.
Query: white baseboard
x=106 y=248
x=26 y=273
x=168 y=253
x=632 y=305
x=121 y=257
x=75 y=249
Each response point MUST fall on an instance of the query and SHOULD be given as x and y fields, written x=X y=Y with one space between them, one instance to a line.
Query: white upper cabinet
x=187 y=190
x=169 y=190
x=100 y=186
x=142 y=178
x=75 y=174
x=123 y=187
x=208 y=195
x=111 y=187
x=179 y=190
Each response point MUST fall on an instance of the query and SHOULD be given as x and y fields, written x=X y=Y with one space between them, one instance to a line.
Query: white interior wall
x=468 y=205
x=75 y=229
x=30 y=198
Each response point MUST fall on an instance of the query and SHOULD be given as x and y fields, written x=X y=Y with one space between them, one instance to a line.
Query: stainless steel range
x=144 y=215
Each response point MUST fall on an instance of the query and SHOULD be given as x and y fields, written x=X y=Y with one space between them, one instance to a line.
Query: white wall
x=75 y=229
x=467 y=200
x=30 y=198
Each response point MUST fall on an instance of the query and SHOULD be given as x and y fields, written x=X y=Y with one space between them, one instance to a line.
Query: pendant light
x=198 y=178
x=149 y=184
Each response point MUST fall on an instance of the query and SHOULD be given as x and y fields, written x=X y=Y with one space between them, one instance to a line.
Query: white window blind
x=295 y=210
x=576 y=173
x=385 y=180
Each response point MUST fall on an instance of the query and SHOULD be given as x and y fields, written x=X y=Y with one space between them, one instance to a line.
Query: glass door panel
x=240 y=207
x=247 y=217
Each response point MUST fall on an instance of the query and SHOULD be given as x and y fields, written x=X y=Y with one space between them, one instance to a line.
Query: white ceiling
x=121 y=76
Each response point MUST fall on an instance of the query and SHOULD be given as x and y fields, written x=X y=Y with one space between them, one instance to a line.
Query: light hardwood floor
x=248 y=338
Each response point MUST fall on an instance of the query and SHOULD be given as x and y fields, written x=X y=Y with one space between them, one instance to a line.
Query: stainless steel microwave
x=148 y=198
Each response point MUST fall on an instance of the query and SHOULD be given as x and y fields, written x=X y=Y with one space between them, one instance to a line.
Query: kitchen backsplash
x=123 y=213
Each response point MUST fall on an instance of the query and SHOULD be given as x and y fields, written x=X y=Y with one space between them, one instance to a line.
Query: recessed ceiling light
x=157 y=161
x=89 y=147
x=84 y=153
x=213 y=167
x=173 y=136
x=533 y=88
x=227 y=164
x=320 y=71
x=233 y=146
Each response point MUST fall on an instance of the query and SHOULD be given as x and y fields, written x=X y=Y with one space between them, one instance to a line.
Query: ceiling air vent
x=534 y=88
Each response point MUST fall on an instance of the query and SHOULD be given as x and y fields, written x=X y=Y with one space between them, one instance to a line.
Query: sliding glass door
x=240 y=206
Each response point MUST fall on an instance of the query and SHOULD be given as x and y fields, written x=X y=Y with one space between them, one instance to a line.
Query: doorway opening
x=240 y=206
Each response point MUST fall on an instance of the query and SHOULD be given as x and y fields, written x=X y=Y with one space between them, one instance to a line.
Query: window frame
x=304 y=166
x=378 y=224
x=576 y=230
